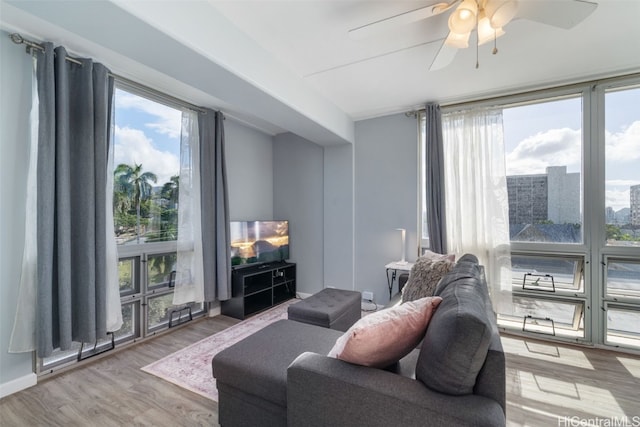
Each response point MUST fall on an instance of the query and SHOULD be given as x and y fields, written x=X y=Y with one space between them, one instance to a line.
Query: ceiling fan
x=487 y=17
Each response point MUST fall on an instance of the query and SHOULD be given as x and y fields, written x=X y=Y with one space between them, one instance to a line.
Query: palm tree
x=170 y=190
x=136 y=184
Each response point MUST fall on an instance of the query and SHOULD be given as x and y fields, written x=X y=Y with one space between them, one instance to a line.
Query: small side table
x=393 y=268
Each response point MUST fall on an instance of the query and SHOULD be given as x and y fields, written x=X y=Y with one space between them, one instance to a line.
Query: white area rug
x=190 y=367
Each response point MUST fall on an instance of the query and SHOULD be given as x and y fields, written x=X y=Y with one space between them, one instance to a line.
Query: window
x=147 y=166
x=146 y=189
x=146 y=151
x=543 y=144
x=424 y=228
x=572 y=157
x=622 y=153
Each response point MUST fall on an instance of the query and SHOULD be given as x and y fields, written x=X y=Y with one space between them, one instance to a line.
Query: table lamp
x=403 y=232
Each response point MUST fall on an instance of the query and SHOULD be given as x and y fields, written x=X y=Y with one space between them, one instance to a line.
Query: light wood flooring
x=548 y=384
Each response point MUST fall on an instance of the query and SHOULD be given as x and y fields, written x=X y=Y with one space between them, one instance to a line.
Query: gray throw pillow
x=457 y=340
x=425 y=275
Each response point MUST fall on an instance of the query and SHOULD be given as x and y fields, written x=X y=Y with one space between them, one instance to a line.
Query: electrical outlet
x=367 y=296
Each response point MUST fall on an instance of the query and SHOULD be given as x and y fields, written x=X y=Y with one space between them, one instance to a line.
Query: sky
x=147 y=133
x=536 y=136
x=549 y=134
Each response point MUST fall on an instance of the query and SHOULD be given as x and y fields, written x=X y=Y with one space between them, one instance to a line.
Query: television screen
x=259 y=241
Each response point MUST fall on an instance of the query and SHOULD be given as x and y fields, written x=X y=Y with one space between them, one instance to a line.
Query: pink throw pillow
x=386 y=336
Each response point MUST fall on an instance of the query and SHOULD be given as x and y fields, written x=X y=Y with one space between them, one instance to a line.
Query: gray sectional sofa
x=456 y=377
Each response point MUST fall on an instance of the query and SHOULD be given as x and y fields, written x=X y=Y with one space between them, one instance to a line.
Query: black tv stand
x=259 y=287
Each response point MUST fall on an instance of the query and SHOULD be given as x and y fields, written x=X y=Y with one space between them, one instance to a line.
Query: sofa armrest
x=323 y=391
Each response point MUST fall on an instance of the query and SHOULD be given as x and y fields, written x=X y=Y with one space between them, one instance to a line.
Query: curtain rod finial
x=16 y=38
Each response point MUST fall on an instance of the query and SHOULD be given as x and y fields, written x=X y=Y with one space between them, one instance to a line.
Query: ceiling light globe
x=463 y=19
x=485 y=32
x=500 y=12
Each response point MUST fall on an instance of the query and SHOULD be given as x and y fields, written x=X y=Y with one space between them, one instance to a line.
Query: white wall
x=298 y=197
x=249 y=172
x=16 y=370
x=386 y=198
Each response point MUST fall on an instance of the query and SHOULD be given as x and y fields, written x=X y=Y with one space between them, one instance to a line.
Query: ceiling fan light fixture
x=486 y=32
x=463 y=19
x=500 y=12
x=458 y=40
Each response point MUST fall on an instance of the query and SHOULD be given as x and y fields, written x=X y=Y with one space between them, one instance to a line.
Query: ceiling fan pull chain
x=495 y=42
x=477 y=43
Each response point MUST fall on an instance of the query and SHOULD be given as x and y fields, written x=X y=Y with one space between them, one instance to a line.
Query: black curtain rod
x=18 y=39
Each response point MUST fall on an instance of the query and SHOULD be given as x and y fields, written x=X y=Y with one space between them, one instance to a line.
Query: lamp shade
x=485 y=31
x=463 y=19
x=500 y=12
x=456 y=40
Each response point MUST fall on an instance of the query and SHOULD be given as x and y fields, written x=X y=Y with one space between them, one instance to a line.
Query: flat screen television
x=257 y=242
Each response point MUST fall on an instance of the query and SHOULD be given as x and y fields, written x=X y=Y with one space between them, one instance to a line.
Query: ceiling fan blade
x=395 y=21
x=561 y=14
x=444 y=57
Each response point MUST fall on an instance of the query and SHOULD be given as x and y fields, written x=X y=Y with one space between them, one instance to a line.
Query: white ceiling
x=291 y=65
x=389 y=72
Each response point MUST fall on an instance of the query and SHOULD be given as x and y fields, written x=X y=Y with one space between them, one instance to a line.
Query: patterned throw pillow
x=425 y=275
x=386 y=336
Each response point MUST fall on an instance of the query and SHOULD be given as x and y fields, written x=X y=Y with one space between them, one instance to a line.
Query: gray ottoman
x=330 y=308
x=251 y=375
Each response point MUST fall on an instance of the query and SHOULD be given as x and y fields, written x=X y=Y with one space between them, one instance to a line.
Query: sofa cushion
x=384 y=337
x=457 y=339
x=425 y=275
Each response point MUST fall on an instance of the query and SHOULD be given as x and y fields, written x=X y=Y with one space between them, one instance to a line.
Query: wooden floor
x=547 y=385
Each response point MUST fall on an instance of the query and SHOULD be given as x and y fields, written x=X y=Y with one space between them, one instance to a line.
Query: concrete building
x=635 y=204
x=554 y=196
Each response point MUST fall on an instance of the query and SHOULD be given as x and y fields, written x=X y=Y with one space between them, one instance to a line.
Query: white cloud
x=168 y=120
x=132 y=146
x=617 y=199
x=555 y=147
x=624 y=146
x=622 y=182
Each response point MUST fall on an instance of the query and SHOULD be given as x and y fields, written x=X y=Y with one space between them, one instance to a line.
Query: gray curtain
x=73 y=136
x=215 y=207
x=435 y=179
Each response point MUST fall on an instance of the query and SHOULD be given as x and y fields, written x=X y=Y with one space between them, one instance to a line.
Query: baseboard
x=18 y=384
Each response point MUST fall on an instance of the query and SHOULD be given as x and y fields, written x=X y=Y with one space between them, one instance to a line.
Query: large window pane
x=623 y=326
x=128 y=276
x=622 y=153
x=159 y=268
x=546 y=273
x=623 y=278
x=543 y=144
x=160 y=311
x=545 y=316
x=147 y=165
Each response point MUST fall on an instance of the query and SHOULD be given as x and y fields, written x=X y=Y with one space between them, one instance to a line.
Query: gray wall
x=15 y=104
x=249 y=172
x=298 y=197
x=386 y=198
x=338 y=217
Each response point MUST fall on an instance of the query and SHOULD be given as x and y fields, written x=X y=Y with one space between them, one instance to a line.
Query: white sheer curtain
x=476 y=199
x=189 y=270
x=23 y=335
x=113 y=306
